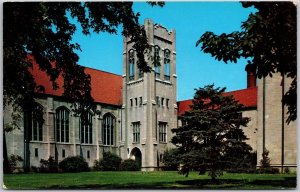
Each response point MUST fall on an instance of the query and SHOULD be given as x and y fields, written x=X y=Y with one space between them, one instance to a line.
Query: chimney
x=251 y=75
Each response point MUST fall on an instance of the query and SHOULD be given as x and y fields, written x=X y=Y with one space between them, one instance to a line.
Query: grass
x=149 y=180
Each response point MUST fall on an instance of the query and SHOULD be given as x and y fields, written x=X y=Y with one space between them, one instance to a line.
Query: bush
x=265 y=161
x=265 y=164
x=170 y=160
x=287 y=170
x=110 y=162
x=269 y=170
x=74 y=164
x=129 y=165
x=14 y=161
x=48 y=166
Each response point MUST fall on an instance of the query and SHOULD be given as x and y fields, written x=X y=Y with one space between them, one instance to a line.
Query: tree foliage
x=211 y=132
x=43 y=31
x=268 y=39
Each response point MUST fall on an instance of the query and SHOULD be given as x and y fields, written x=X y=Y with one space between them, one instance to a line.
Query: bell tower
x=149 y=110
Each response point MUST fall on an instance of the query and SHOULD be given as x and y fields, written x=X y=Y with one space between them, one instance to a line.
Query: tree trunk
x=6 y=165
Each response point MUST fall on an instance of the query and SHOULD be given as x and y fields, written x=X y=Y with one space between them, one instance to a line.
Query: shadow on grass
x=287 y=183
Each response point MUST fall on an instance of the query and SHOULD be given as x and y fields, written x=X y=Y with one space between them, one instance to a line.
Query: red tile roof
x=106 y=87
x=247 y=97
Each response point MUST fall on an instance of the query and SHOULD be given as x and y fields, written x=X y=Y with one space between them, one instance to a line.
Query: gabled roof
x=106 y=87
x=247 y=97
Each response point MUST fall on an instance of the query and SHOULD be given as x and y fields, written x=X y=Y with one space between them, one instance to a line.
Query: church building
x=138 y=111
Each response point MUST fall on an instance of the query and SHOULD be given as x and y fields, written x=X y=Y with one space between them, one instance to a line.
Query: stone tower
x=149 y=110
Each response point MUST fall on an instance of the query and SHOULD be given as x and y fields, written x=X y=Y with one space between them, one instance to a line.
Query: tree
x=211 y=132
x=268 y=39
x=43 y=31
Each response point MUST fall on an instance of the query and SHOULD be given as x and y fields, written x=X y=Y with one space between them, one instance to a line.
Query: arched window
x=131 y=64
x=167 y=65
x=86 y=128
x=108 y=127
x=62 y=124
x=37 y=122
x=156 y=61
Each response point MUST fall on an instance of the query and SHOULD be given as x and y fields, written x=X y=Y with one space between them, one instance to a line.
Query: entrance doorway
x=137 y=156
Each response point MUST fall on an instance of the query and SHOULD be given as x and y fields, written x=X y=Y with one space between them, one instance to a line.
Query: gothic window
x=162 y=101
x=62 y=124
x=37 y=122
x=167 y=102
x=167 y=65
x=86 y=128
x=162 y=126
x=156 y=61
x=108 y=127
x=131 y=65
x=136 y=132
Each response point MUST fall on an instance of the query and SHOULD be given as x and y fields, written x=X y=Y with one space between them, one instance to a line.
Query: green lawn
x=149 y=180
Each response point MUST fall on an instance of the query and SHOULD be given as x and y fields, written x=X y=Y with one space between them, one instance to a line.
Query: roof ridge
x=100 y=70
x=249 y=88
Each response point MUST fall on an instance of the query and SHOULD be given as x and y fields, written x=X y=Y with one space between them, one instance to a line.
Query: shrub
x=170 y=160
x=14 y=161
x=287 y=170
x=34 y=169
x=265 y=161
x=74 y=164
x=265 y=164
x=98 y=165
x=129 y=165
x=48 y=166
x=110 y=162
x=269 y=170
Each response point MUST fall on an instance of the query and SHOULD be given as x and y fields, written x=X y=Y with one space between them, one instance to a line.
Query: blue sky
x=190 y=20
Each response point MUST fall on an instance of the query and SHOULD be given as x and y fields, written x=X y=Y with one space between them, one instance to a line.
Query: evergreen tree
x=211 y=132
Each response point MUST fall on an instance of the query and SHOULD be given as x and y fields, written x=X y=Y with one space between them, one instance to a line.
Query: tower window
x=162 y=101
x=131 y=65
x=157 y=61
x=141 y=101
x=157 y=101
x=167 y=103
x=162 y=132
x=136 y=102
x=136 y=132
x=167 y=65
x=131 y=103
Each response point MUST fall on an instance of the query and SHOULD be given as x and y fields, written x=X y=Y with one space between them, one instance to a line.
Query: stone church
x=138 y=111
